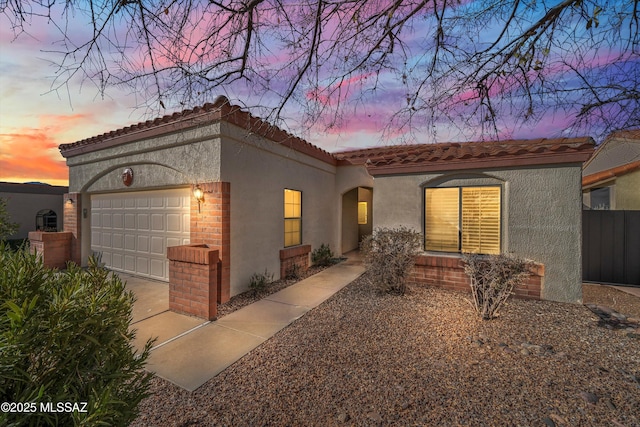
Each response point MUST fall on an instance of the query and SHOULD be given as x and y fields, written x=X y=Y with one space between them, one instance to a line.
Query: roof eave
x=483 y=163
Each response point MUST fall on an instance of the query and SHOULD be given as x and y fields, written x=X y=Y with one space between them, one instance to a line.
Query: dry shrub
x=389 y=256
x=493 y=278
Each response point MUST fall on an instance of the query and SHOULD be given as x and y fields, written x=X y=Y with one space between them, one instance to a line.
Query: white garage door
x=133 y=230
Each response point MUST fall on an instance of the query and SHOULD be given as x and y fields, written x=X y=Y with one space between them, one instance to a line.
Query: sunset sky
x=35 y=117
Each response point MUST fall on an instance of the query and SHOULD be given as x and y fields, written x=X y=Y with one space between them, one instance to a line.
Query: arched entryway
x=357 y=217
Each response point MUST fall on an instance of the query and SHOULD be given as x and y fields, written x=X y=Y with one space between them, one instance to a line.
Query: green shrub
x=259 y=281
x=389 y=256
x=322 y=256
x=64 y=337
x=493 y=278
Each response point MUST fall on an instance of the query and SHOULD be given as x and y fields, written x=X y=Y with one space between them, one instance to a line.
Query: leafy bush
x=493 y=278
x=322 y=256
x=64 y=337
x=259 y=281
x=389 y=256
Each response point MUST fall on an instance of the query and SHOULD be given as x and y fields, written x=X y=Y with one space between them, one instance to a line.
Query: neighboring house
x=35 y=206
x=611 y=177
x=218 y=176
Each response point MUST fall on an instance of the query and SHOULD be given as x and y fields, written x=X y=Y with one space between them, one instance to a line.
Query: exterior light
x=198 y=193
x=69 y=201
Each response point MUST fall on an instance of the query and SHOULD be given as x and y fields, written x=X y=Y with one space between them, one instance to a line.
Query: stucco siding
x=170 y=160
x=541 y=216
x=258 y=171
x=350 y=220
x=627 y=191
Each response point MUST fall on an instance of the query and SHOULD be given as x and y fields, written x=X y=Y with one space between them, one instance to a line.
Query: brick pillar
x=211 y=225
x=54 y=248
x=72 y=207
x=193 y=277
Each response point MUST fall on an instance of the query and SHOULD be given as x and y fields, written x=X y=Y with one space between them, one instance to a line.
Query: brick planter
x=193 y=280
x=297 y=255
x=53 y=247
x=448 y=272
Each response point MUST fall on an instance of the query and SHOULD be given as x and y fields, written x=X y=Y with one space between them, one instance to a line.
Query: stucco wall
x=170 y=160
x=366 y=195
x=349 y=221
x=627 y=191
x=259 y=171
x=23 y=208
x=541 y=216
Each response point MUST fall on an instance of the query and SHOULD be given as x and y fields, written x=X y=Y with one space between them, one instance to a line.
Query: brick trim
x=296 y=255
x=448 y=272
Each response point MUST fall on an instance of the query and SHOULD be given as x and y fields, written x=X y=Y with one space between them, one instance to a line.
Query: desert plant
x=65 y=337
x=259 y=281
x=389 y=256
x=493 y=278
x=322 y=256
x=293 y=272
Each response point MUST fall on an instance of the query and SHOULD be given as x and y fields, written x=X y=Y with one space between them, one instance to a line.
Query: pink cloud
x=31 y=154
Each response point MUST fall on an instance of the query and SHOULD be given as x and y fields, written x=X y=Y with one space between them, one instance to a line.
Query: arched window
x=46 y=220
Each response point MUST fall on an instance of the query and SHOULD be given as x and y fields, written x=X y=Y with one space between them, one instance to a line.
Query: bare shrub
x=389 y=256
x=493 y=278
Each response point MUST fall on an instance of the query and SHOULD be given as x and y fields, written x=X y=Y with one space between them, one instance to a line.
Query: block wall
x=448 y=273
x=298 y=255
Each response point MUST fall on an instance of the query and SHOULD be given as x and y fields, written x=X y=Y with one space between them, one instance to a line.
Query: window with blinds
x=292 y=217
x=463 y=219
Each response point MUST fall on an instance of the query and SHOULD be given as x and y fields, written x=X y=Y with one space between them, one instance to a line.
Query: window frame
x=291 y=218
x=460 y=217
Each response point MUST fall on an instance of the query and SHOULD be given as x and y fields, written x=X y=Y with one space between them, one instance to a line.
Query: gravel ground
x=424 y=359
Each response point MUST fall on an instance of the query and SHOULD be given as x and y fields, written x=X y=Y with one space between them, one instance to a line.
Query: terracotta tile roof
x=597 y=177
x=220 y=110
x=625 y=134
x=419 y=158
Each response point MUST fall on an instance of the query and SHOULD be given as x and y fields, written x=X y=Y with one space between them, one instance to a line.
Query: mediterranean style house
x=210 y=196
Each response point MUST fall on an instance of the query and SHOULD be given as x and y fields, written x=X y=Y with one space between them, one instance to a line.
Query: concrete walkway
x=190 y=351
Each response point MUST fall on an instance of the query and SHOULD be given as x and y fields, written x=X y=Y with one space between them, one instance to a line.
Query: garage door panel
x=143 y=243
x=133 y=230
x=116 y=262
x=117 y=241
x=157 y=268
x=129 y=221
x=174 y=223
x=130 y=263
x=157 y=245
x=105 y=240
x=143 y=222
x=117 y=220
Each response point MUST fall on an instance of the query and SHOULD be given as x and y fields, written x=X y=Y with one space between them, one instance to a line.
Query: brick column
x=72 y=207
x=54 y=248
x=193 y=277
x=211 y=225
